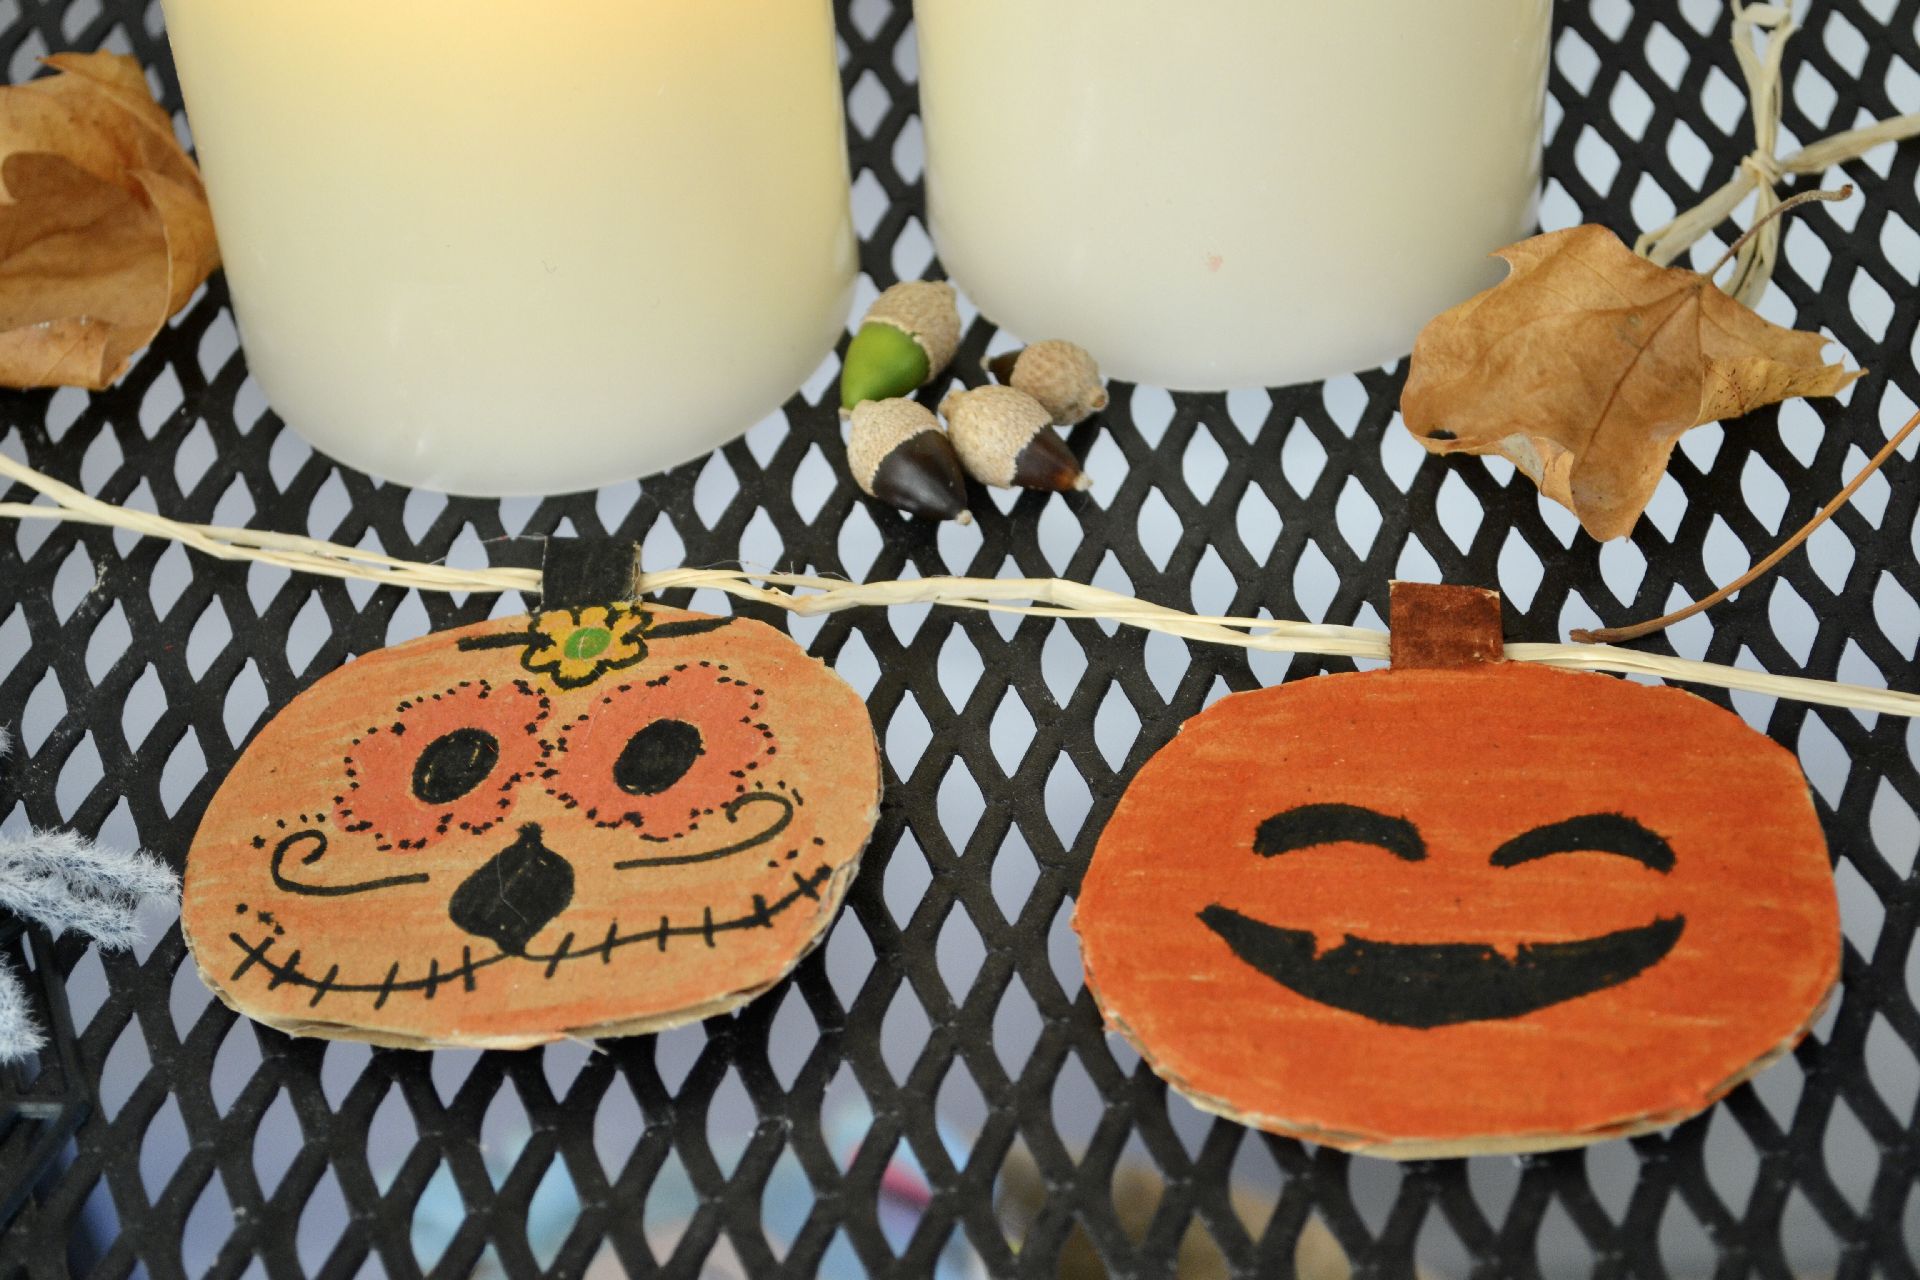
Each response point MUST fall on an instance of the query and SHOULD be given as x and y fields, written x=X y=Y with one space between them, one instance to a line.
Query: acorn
x=1060 y=375
x=907 y=339
x=1005 y=438
x=898 y=454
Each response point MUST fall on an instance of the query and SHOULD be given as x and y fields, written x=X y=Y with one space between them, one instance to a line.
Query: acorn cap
x=926 y=311
x=1061 y=376
x=898 y=454
x=1005 y=438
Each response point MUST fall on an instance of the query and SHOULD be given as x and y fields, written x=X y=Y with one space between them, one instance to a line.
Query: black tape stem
x=577 y=572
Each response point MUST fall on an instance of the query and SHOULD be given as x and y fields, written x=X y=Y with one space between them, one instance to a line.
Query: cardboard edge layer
x=1418 y=1148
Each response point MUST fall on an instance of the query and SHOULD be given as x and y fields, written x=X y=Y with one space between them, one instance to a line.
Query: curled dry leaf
x=104 y=228
x=1587 y=363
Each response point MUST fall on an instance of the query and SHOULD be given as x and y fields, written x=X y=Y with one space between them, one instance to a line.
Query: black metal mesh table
x=933 y=1090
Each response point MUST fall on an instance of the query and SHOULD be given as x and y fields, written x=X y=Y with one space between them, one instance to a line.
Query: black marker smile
x=1427 y=985
x=1441 y=984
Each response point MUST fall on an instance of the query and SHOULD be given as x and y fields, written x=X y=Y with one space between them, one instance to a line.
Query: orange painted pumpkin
x=591 y=821
x=1463 y=905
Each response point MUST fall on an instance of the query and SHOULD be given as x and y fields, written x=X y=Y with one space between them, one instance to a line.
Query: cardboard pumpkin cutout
x=596 y=820
x=1461 y=906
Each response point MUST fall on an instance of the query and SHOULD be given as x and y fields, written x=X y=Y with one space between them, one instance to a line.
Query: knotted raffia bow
x=1760 y=36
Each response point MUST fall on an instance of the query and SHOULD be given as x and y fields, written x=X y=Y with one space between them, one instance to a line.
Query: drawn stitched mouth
x=1427 y=985
x=460 y=977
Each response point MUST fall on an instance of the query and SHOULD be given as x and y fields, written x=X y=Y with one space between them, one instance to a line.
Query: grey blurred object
x=63 y=881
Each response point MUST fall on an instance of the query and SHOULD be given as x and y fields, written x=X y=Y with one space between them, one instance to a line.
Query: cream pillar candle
x=505 y=248
x=1219 y=193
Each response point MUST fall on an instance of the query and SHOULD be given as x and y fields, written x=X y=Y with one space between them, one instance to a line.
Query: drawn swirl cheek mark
x=319 y=841
x=732 y=809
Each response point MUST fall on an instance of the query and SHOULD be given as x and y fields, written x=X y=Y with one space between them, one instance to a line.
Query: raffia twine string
x=812 y=596
x=1761 y=33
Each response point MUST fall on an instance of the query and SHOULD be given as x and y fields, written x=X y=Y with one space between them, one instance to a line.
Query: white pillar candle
x=1220 y=193
x=506 y=248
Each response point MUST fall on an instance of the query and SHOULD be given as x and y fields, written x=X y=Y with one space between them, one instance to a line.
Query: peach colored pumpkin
x=591 y=821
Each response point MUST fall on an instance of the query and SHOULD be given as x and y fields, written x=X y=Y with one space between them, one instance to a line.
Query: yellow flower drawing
x=575 y=647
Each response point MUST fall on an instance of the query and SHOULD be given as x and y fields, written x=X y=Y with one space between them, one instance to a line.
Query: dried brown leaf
x=104 y=228
x=1587 y=363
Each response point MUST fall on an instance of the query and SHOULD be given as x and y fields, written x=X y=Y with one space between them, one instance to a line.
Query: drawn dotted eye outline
x=743 y=778
x=444 y=822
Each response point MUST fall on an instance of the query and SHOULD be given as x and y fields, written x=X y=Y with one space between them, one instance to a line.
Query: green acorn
x=907 y=339
x=898 y=454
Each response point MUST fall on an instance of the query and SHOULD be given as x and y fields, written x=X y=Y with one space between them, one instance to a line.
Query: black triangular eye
x=657 y=757
x=454 y=764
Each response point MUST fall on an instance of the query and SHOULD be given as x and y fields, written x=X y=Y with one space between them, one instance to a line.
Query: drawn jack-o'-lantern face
x=591 y=821
x=1438 y=911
